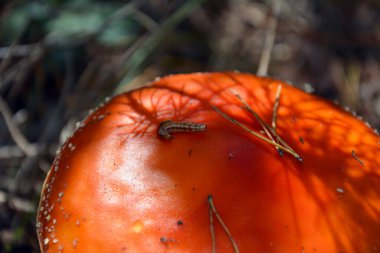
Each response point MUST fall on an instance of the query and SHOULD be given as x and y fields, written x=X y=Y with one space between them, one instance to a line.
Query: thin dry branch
x=15 y=152
x=15 y=132
x=19 y=70
x=17 y=50
x=17 y=203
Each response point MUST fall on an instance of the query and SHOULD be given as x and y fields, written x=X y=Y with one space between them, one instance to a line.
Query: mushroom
x=227 y=180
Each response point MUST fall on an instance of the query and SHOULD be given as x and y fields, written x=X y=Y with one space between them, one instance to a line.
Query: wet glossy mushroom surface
x=116 y=186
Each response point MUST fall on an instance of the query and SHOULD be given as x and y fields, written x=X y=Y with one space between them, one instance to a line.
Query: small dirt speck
x=164 y=240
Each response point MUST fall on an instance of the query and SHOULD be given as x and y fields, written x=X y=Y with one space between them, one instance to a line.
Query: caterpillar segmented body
x=168 y=127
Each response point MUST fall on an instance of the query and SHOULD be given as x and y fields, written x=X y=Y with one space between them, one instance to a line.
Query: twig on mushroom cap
x=212 y=230
x=356 y=157
x=250 y=110
x=275 y=107
x=278 y=142
x=274 y=114
x=290 y=151
x=213 y=210
x=269 y=130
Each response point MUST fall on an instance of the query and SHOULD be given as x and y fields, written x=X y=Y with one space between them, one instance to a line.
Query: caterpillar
x=168 y=127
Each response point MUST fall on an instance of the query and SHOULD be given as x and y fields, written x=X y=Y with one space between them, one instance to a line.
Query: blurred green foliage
x=60 y=21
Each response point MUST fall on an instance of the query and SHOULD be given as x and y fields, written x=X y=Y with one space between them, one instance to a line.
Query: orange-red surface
x=116 y=187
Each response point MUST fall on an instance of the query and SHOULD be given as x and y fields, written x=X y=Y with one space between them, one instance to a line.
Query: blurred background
x=59 y=59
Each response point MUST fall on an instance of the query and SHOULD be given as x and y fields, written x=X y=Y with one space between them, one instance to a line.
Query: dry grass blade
x=257 y=117
x=269 y=40
x=134 y=64
x=269 y=131
x=282 y=147
x=356 y=157
x=274 y=114
x=16 y=134
x=251 y=131
x=213 y=209
x=212 y=231
x=275 y=107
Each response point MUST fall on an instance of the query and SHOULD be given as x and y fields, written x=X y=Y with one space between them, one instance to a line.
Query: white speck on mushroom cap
x=308 y=88
x=51 y=230
x=75 y=243
x=91 y=111
x=340 y=190
x=67 y=216
x=78 y=124
x=46 y=241
x=71 y=146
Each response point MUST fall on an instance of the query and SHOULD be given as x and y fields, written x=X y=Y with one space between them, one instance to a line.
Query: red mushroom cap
x=116 y=187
